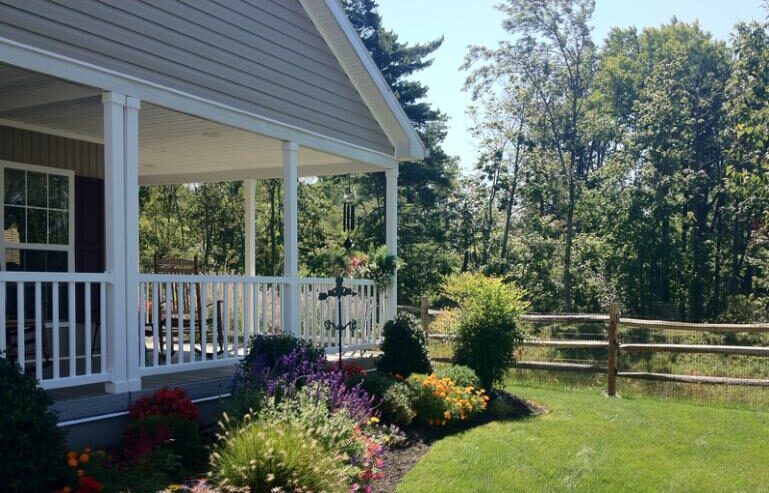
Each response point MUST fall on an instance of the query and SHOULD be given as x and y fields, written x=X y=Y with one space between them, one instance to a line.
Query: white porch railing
x=199 y=321
x=366 y=308
x=53 y=326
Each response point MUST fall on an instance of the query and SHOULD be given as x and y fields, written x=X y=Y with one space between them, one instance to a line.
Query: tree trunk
x=569 y=241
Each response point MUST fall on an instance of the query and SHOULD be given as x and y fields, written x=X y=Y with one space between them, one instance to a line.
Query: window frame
x=69 y=247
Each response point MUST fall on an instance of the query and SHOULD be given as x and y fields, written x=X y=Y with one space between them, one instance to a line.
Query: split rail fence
x=611 y=343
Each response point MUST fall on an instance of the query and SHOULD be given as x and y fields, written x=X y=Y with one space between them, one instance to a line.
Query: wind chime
x=349 y=215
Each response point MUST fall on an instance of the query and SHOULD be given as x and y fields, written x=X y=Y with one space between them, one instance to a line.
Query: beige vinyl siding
x=25 y=146
x=262 y=56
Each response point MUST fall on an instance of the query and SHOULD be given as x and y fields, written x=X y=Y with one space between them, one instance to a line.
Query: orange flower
x=71 y=455
x=80 y=473
x=66 y=489
x=72 y=462
x=84 y=458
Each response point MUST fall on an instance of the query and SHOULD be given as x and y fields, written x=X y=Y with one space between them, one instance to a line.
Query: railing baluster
x=255 y=289
x=168 y=341
x=193 y=311
x=180 y=319
x=20 y=324
x=155 y=324
x=38 y=331
x=272 y=307
x=236 y=316
x=226 y=320
x=87 y=343
x=103 y=325
x=265 y=327
x=55 y=328
x=217 y=316
x=143 y=291
x=203 y=321
x=72 y=325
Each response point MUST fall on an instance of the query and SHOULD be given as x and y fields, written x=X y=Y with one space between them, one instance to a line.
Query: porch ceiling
x=174 y=147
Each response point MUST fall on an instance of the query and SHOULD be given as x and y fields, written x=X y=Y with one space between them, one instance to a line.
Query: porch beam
x=290 y=296
x=50 y=92
x=391 y=236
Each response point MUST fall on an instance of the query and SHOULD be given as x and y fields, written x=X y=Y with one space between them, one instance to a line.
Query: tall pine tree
x=425 y=186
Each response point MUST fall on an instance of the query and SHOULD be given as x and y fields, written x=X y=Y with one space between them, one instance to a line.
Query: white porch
x=114 y=327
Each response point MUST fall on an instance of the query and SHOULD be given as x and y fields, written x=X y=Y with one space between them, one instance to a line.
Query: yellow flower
x=373 y=419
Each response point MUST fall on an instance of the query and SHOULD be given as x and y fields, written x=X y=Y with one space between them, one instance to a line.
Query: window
x=37 y=218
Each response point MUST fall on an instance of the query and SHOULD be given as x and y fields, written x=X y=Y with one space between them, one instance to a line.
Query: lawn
x=591 y=443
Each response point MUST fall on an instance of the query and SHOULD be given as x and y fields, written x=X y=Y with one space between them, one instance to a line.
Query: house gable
x=264 y=56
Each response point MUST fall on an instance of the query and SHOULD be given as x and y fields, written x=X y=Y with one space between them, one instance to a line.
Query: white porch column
x=391 y=236
x=131 y=194
x=115 y=241
x=249 y=188
x=290 y=295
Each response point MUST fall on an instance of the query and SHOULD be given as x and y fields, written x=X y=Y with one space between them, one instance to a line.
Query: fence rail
x=609 y=341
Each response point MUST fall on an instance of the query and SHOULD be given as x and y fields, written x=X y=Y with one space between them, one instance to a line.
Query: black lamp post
x=339 y=292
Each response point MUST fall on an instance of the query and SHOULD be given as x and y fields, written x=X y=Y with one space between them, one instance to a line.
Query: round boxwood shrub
x=33 y=456
x=463 y=376
x=393 y=397
x=404 y=347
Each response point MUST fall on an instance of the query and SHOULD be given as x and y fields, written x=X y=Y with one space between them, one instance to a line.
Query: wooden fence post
x=613 y=348
x=424 y=313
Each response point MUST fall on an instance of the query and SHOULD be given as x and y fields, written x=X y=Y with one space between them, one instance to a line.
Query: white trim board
x=56 y=65
x=332 y=22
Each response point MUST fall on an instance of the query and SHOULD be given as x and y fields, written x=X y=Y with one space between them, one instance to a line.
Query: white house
x=98 y=97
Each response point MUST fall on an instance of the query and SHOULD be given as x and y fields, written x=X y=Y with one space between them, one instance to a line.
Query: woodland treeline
x=630 y=169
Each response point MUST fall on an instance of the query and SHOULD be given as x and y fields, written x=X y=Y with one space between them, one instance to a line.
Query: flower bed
x=295 y=423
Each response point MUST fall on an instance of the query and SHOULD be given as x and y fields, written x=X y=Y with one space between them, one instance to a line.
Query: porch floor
x=89 y=401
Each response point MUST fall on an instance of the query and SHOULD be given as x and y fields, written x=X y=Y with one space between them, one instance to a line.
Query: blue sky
x=467 y=22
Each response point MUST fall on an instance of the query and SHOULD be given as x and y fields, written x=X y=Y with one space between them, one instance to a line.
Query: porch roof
x=174 y=147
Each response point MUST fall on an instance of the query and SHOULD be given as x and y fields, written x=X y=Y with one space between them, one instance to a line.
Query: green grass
x=591 y=443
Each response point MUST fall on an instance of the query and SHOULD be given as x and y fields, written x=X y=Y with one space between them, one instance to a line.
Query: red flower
x=165 y=402
x=89 y=485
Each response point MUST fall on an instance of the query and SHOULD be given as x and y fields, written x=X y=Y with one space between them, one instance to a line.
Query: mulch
x=503 y=406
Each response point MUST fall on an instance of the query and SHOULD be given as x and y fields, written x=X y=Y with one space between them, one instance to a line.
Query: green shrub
x=404 y=347
x=265 y=455
x=309 y=411
x=487 y=332
x=464 y=376
x=264 y=351
x=393 y=397
x=396 y=405
x=32 y=453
